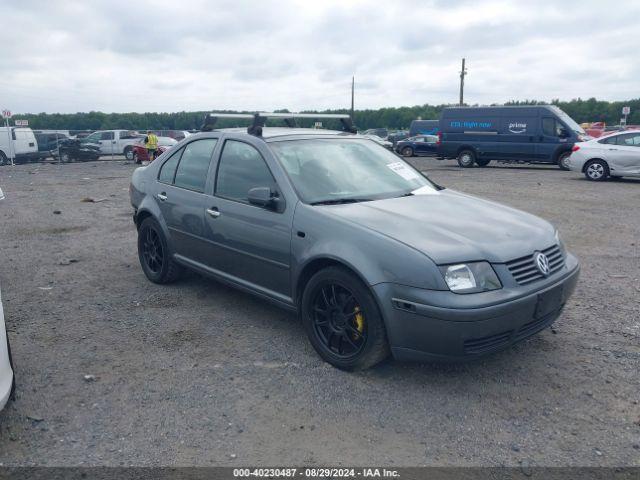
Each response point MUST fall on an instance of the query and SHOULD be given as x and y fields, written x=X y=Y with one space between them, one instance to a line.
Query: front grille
x=486 y=344
x=525 y=270
x=534 y=327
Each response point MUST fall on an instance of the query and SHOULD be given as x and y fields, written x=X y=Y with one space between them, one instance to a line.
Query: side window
x=168 y=168
x=194 y=164
x=107 y=136
x=94 y=137
x=549 y=127
x=631 y=140
x=241 y=168
x=609 y=140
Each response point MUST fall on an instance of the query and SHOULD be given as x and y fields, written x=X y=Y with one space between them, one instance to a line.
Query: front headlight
x=470 y=277
x=561 y=244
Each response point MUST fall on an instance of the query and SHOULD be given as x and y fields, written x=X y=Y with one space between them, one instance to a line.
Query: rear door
x=624 y=156
x=180 y=196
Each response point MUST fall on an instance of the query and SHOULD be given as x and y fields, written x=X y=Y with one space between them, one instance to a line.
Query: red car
x=140 y=152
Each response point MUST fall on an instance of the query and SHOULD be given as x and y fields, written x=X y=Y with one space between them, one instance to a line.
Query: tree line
x=580 y=110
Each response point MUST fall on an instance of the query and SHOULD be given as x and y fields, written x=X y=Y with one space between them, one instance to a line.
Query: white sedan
x=6 y=370
x=616 y=155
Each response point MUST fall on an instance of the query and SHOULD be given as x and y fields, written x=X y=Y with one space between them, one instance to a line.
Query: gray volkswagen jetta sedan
x=373 y=256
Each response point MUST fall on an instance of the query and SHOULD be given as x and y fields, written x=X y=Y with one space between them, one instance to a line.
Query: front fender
x=376 y=258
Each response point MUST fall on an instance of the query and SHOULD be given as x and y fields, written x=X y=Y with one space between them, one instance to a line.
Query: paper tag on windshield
x=404 y=171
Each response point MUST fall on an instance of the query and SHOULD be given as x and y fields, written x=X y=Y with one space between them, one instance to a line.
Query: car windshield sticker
x=404 y=171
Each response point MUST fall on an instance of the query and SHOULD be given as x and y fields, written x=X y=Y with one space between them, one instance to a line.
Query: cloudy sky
x=123 y=56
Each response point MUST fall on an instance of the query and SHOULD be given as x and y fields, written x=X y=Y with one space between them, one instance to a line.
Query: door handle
x=614 y=149
x=162 y=196
x=214 y=212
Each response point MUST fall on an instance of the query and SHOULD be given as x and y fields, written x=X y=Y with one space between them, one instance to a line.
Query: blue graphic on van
x=470 y=125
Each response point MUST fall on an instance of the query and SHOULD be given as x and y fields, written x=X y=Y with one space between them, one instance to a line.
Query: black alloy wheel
x=153 y=252
x=342 y=320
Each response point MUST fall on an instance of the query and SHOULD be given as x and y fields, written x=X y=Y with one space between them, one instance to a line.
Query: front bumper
x=420 y=331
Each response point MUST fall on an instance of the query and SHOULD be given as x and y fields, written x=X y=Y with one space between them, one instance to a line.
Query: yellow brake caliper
x=359 y=321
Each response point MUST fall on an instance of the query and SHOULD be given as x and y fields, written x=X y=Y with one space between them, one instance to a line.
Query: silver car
x=616 y=155
x=6 y=370
x=373 y=256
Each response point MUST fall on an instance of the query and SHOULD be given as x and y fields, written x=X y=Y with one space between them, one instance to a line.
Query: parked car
x=616 y=155
x=534 y=134
x=140 y=151
x=73 y=149
x=395 y=137
x=116 y=142
x=7 y=381
x=175 y=134
x=48 y=142
x=385 y=143
x=373 y=256
x=420 y=145
x=23 y=146
x=383 y=133
x=424 y=127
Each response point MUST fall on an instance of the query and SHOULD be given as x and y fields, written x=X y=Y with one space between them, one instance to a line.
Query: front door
x=180 y=197
x=549 y=139
x=247 y=244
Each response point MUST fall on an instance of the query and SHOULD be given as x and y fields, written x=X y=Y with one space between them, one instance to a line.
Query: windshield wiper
x=338 y=201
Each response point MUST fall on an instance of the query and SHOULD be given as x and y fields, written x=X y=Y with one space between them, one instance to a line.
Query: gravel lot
x=199 y=374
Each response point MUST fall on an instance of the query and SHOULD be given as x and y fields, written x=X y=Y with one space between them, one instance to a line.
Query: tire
x=596 y=170
x=136 y=159
x=3 y=159
x=466 y=158
x=563 y=161
x=65 y=157
x=407 y=152
x=128 y=153
x=354 y=340
x=153 y=253
x=483 y=163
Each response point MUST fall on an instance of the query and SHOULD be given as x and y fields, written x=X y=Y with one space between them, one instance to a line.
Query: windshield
x=334 y=170
x=568 y=121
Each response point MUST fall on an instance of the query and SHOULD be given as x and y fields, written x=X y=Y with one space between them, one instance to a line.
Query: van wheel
x=483 y=162
x=596 y=170
x=3 y=159
x=563 y=161
x=343 y=321
x=466 y=158
x=407 y=152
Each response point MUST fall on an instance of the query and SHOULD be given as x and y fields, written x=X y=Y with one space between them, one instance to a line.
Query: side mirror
x=261 y=197
x=562 y=132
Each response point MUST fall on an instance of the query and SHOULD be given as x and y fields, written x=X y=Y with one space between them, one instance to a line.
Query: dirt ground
x=197 y=373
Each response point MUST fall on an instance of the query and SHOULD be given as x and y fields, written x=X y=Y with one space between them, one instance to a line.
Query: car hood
x=452 y=227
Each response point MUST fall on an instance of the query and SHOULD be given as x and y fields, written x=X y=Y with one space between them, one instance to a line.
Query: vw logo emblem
x=542 y=262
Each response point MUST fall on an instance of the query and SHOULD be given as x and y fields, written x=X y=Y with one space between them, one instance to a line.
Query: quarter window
x=194 y=164
x=241 y=169
x=168 y=169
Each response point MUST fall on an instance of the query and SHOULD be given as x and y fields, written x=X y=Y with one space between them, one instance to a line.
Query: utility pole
x=463 y=72
x=353 y=85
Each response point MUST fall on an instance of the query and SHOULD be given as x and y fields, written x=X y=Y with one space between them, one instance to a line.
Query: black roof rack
x=260 y=118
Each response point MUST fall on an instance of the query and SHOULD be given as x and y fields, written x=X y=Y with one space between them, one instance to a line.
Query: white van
x=23 y=145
